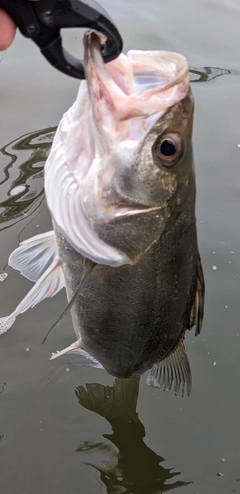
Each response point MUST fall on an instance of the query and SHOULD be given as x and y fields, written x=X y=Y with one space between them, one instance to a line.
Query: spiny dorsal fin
x=174 y=368
x=197 y=310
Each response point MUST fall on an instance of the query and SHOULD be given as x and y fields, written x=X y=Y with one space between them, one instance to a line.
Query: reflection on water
x=205 y=74
x=21 y=179
x=134 y=468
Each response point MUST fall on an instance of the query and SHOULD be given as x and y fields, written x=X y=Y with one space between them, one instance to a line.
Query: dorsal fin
x=174 y=368
x=197 y=309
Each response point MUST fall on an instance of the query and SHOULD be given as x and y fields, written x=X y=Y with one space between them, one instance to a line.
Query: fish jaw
x=98 y=143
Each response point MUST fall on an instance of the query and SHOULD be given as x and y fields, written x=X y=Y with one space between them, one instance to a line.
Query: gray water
x=51 y=441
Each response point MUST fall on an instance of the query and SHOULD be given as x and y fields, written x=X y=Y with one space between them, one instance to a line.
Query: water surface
x=53 y=439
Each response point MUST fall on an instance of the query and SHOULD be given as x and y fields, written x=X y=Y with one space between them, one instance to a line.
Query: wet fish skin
x=131 y=316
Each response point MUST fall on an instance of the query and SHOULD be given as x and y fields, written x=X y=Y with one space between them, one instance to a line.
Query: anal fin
x=172 y=370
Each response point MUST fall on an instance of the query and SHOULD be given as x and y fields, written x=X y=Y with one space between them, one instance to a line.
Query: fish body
x=120 y=187
x=130 y=317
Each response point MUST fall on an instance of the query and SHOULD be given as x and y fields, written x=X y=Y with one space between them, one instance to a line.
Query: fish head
x=126 y=144
x=152 y=177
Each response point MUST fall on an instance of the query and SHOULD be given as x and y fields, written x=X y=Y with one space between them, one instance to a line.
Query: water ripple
x=21 y=179
x=206 y=74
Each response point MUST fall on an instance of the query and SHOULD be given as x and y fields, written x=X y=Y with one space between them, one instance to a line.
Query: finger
x=7 y=30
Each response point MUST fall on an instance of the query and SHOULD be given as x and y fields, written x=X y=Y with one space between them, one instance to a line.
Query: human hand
x=7 y=29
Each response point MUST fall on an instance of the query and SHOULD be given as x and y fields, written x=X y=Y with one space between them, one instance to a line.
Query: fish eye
x=168 y=149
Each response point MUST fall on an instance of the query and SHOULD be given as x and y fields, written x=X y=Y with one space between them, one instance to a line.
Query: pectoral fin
x=50 y=279
x=174 y=368
x=34 y=255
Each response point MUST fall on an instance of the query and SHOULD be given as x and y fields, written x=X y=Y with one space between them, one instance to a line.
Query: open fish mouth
x=138 y=84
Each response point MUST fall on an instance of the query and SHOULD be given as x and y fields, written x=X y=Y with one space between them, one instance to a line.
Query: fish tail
x=111 y=401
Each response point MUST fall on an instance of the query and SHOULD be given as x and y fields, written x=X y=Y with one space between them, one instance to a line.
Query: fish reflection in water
x=135 y=468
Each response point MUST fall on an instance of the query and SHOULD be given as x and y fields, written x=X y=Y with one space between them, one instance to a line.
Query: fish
x=120 y=188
